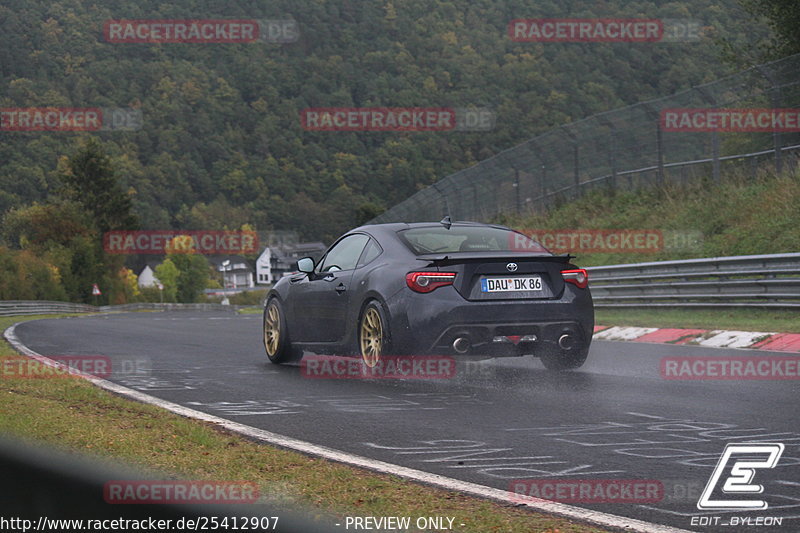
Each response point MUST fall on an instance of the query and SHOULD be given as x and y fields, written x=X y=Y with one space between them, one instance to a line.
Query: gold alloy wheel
x=371 y=337
x=272 y=330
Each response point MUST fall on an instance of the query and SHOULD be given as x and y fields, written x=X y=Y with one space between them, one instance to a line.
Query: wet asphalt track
x=494 y=422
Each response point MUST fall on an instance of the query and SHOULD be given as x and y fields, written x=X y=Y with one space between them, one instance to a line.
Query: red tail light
x=428 y=281
x=578 y=277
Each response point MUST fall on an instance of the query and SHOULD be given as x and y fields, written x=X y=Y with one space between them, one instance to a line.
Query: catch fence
x=621 y=149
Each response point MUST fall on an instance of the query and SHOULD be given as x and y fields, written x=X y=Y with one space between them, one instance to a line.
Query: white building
x=277 y=261
x=264 y=273
x=147 y=278
x=236 y=273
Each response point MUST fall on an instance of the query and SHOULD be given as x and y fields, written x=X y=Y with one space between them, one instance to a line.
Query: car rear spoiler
x=476 y=257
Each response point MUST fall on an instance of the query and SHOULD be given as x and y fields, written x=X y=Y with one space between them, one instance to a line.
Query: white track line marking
x=559 y=509
x=644 y=415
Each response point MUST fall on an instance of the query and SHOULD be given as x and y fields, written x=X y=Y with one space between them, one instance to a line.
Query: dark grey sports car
x=442 y=288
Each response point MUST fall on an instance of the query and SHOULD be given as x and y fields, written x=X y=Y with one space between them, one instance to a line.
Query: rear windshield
x=438 y=239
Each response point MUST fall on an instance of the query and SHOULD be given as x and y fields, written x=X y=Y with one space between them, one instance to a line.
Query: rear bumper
x=508 y=339
x=430 y=323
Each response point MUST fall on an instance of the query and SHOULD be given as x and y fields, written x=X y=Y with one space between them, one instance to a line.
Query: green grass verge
x=783 y=321
x=744 y=216
x=72 y=413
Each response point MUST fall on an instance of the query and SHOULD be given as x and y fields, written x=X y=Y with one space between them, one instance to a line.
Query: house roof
x=217 y=260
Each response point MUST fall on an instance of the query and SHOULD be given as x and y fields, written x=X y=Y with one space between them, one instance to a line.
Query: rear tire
x=276 y=335
x=373 y=334
x=565 y=360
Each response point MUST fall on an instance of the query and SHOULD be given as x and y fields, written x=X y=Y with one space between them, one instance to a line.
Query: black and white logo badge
x=512 y=267
x=739 y=463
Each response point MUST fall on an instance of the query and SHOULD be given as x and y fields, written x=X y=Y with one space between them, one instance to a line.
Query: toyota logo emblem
x=512 y=267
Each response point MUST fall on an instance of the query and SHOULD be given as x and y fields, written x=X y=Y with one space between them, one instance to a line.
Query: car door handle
x=340 y=288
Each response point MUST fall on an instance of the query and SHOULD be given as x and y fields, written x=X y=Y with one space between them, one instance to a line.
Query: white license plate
x=528 y=283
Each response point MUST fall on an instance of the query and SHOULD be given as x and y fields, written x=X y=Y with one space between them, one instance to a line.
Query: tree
x=64 y=236
x=783 y=17
x=130 y=281
x=222 y=122
x=41 y=226
x=167 y=273
x=367 y=211
x=25 y=276
x=193 y=269
x=89 y=179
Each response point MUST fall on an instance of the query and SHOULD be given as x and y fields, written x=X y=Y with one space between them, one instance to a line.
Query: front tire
x=373 y=334
x=276 y=335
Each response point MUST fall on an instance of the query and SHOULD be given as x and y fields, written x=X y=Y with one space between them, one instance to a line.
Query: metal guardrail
x=739 y=281
x=20 y=308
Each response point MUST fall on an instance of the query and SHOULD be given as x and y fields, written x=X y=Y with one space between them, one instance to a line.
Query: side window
x=345 y=254
x=372 y=251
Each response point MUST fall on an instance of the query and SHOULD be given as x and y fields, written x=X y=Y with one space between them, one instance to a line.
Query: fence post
x=613 y=154
x=775 y=97
x=474 y=213
x=542 y=187
x=659 y=145
x=543 y=179
x=715 y=168
x=575 y=160
x=656 y=116
x=443 y=196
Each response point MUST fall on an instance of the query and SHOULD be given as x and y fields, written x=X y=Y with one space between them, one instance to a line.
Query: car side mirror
x=305 y=265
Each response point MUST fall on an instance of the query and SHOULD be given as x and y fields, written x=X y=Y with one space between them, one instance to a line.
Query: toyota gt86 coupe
x=458 y=288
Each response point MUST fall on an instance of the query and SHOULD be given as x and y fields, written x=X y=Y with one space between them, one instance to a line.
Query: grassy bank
x=72 y=413
x=742 y=217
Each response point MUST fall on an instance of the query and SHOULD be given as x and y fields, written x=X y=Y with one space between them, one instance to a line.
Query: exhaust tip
x=566 y=341
x=461 y=345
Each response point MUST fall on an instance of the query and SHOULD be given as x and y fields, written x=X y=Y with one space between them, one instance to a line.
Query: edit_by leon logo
x=751 y=457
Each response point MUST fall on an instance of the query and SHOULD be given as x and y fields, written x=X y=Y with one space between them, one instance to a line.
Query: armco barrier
x=20 y=308
x=739 y=281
